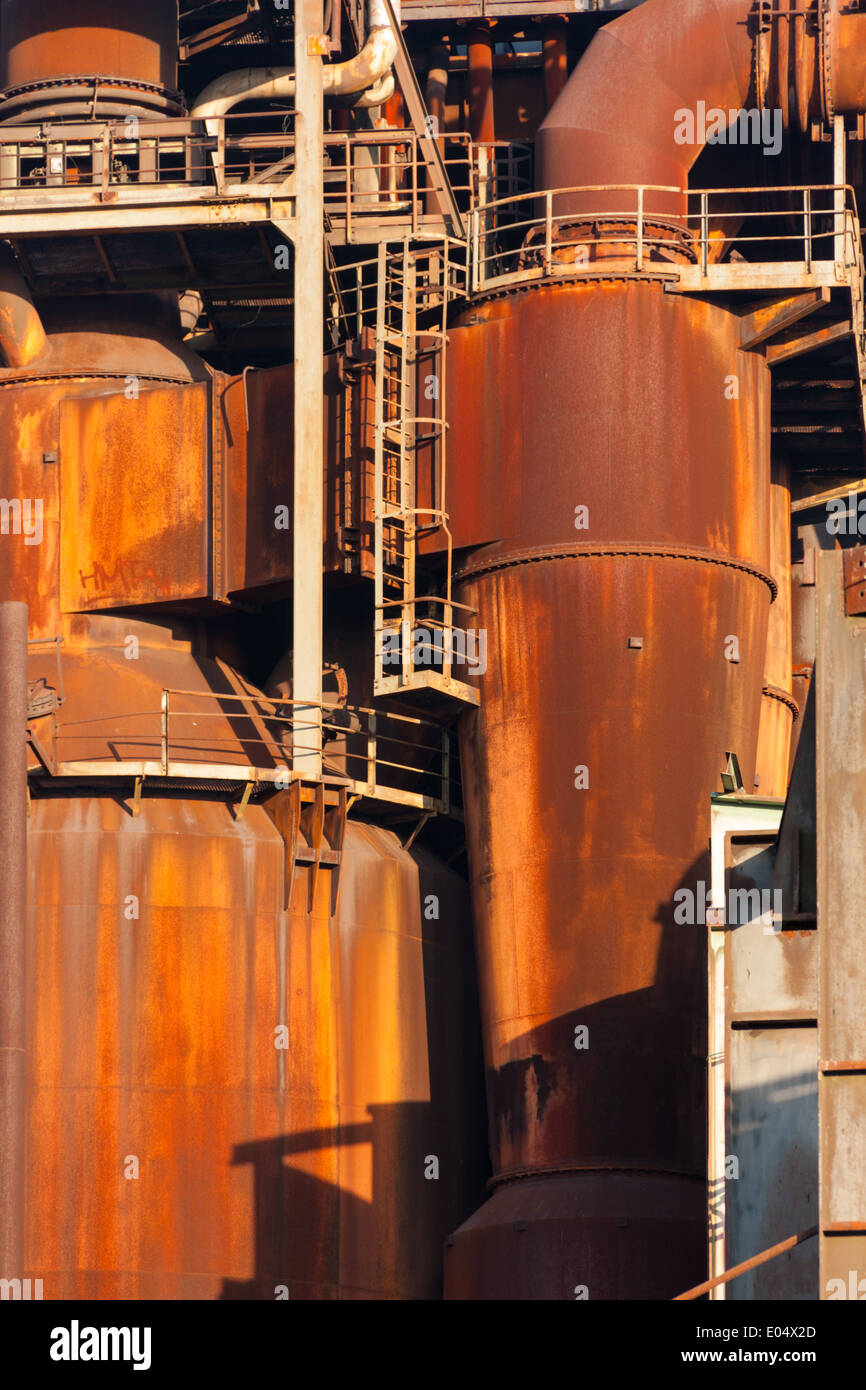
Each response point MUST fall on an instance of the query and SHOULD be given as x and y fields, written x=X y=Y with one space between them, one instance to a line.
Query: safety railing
x=442 y=275
x=105 y=154
x=580 y=231
x=252 y=147
x=375 y=171
x=214 y=737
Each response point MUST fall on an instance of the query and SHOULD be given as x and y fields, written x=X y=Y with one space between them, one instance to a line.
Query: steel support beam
x=13 y=934
x=774 y=317
x=841 y=796
x=309 y=328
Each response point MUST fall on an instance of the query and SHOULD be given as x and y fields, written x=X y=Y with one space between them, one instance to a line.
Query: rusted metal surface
x=618 y=118
x=251 y=437
x=22 y=337
x=86 y=39
x=120 y=349
x=574 y=886
x=142 y=535
x=115 y=670
x=13 y=936
x=153 y=1039
x=778 y=708
x=698 y=499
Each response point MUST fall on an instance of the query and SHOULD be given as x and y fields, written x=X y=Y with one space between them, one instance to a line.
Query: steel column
x=841 y=795
x=307 y=511
x=13 y=906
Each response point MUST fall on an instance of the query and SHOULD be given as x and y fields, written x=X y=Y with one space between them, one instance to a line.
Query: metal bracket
x=244 y=801
x=854 y=581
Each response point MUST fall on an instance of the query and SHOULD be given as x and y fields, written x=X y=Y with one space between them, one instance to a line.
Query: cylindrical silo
x=626 y=615
x=63 y=59
x=178 y=1146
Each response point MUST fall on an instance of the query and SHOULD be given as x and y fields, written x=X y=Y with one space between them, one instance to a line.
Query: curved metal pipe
x=368 y=72
x=623 y=116
x=22 y=336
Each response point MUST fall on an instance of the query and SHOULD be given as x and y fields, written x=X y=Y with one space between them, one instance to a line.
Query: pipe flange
x=17 y=103
x=578 y=550
x=774 y=692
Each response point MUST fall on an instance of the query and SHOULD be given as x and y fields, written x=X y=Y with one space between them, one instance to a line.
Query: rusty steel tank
x=625 y=661
x=623 y=435
x=63 y=59
x=174 y=1150
x=179 y=1144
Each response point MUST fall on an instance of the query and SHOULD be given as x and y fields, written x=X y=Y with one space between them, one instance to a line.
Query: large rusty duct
x=614 y=694
x=176 y=1145
x=63 y=60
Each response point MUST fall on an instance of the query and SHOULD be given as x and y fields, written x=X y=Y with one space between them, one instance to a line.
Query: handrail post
x=348 y=163
x=106 y=158
x=414 y=185
x=639 y=256
x=548 y=230
x=407 y=664
x=705 y=233
x=220 y=161
x=164 y=738
x=807 y=227
x=839 y=179
x=445 y=790
x=371 y=754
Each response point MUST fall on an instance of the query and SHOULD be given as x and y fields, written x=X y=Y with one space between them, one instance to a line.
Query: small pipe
x=746 y=1265
x=554 y=60
x=435 y=93
x=480 y=84
x=437 y=85
x=369 y=69
x=13 y=934
x=22 y=337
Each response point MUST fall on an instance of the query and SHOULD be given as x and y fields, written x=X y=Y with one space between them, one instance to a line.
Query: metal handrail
x=176 y=756
x=498 y=249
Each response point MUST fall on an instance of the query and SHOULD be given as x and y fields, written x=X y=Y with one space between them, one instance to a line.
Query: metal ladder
x=404 y=661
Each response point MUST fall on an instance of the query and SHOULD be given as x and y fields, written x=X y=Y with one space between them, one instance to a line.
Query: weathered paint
x=624 y=410
x=57 y=38
x=153 y=1038
x=777 y=712
x=115 y=351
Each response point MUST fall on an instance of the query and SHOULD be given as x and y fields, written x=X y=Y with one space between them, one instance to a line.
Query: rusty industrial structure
x=432 y=642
